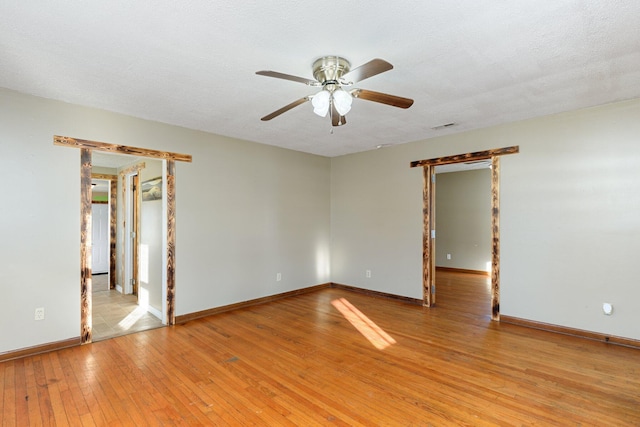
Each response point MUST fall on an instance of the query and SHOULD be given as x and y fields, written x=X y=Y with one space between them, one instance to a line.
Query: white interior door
x=99 y=238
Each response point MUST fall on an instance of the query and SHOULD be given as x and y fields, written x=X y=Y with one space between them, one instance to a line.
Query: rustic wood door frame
x=129 y=200
x=135 y=226
x=428 y=244
x=86 y=147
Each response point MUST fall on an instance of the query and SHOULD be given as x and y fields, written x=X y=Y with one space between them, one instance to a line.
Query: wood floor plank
x=77 y=404
x=160 y=373
x=9 y=406
x=274 y=355
x=51 y=380
x=3 y=380
x=71 y=412
x=302 y=361
x=22 y=414
x=38 y=386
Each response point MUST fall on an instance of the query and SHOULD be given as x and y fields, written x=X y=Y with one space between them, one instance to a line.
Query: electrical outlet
x=39 y=315
x=278 y=277
x=448 y=256
x=367 y=274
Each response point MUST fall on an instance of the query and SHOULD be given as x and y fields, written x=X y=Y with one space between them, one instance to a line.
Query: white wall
x=244 y=212
x=570 y=216
x=151 y=246
x=376 y=221
x=247 y=212
x=39 y=230
x=571 y=220
x=463 y=219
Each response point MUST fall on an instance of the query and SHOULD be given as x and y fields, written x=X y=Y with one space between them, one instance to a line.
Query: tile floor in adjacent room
x=115 y=314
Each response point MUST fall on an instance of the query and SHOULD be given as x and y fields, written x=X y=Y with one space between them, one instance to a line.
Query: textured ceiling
x=193 y=63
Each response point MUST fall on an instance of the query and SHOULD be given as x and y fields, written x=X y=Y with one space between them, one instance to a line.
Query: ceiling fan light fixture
x=321 y=103
x=333 y=74
x=342 y=100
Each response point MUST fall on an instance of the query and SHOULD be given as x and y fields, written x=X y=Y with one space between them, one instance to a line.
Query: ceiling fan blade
x=382 y=98
x=370 y=69
x=283 y=76
x=285 y=108
x=336 y=118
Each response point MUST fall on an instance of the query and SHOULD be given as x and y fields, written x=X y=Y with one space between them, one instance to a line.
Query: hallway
x=115 y=314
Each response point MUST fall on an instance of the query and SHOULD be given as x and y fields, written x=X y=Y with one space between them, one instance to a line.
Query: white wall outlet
x=367 y=274
x=39 y=315
x=448 y=256
x=278 y=277
x=607 y=308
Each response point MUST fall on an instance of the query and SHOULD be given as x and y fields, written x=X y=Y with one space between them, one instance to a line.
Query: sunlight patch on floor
x=378 y=337
x=132 y=318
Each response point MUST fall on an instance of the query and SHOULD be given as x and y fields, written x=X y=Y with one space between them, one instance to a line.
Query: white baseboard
x=155 y=312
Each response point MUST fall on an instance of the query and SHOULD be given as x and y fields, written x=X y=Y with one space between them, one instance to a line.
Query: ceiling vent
x=446 y=125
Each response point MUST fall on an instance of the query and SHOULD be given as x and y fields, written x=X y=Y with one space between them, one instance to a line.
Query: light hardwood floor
x=302 y=361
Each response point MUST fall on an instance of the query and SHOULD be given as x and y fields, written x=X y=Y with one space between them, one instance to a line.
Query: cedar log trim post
x=171 y=241
x=85 y=246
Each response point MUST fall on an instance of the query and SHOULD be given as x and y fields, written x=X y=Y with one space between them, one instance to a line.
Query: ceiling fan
x=333 y=74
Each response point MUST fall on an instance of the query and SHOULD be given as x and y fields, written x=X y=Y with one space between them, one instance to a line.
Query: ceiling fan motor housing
x=329 y=69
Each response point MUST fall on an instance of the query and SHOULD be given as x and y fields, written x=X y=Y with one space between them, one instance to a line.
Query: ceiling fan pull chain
x=331 y=111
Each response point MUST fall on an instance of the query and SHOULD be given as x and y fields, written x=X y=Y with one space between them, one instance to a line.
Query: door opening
x=100 y=234
x=463 y=236
x=126 y=307
x=429 y=232
x=86 y=148
x=104 y=188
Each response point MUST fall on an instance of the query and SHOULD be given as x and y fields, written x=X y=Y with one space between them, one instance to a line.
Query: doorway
x=102 y=262
x=86 y=149
x=135 y=302
x=99 y=236
x=429 y=232
x=463 y=236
